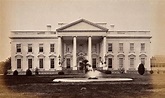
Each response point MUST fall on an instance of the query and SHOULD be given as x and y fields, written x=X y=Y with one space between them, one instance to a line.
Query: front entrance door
x=94 y=63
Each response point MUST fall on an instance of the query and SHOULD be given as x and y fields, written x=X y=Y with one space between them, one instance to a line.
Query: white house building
x=67 y=46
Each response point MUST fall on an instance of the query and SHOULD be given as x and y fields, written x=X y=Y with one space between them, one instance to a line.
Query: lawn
x=41 y=86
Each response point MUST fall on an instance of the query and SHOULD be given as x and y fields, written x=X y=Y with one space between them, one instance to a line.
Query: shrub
x=108 y=72
x=28 y=72
x=60 y=73
x=36 y=71
x=141 y=69
x=15 y=73
x=121 y=70
x=151 y=71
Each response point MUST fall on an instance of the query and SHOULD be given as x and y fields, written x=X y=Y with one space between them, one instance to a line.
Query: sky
x=124 y=14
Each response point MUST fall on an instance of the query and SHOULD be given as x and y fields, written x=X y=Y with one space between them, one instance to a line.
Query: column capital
x=74 y=36
x=59 y=36
x=89 y=36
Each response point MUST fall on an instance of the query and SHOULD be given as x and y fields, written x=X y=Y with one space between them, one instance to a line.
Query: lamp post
x=59 y=59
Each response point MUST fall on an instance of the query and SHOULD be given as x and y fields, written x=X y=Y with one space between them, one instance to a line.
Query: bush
x=28 y=72
x=108 y=72
x=61 y=73
x=121 y=70
x=141 y=69
x=151 y=71
x=36 y=71
x=15 y=73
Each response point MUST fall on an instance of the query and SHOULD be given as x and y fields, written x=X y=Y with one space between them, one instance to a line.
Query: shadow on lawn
x=42 y=86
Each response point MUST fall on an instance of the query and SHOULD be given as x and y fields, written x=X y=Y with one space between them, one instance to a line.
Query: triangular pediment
x=81 y=26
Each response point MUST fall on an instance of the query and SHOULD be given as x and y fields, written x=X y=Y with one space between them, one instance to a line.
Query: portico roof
x=84 y=26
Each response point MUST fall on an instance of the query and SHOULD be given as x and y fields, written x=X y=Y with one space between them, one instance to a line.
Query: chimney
x=48 y=27
x=112 y=26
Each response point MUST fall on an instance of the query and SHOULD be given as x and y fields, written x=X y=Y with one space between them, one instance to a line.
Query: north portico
x=79 y=48
x=67 y=46
x=82 y=40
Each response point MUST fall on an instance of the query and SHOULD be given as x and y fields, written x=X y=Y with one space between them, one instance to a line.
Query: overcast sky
x=124 y=14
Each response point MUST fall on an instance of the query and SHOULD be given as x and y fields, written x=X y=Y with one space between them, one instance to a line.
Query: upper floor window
x=143 y=61
x=18 y=47
x=29 y=47
x=41 y=48
x=131 y=47
x=120 y=47
x=94 y=48
x=52 y=47
x=142 y=46
x=109 y=47
x=67 y=48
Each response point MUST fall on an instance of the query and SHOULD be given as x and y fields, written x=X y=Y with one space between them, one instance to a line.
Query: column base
x=59 y=68
x=74 y=68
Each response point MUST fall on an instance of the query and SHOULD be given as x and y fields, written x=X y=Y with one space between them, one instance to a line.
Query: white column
x=104 y=52
x=74 y=53
x=89 y=50
x=59 y=67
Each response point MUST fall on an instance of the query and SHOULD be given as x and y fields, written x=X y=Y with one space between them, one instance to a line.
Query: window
x=67 y=48
x=41 y=63
x=52 y=47
x=143 y=61
x=120 y=47
x=109 y=47
x=52 y=63
x=131 y=62
x=18 y=47
x=68 y=63
x=94 y=63
x=120 y=62
x=131 y=47
x=41 y=48
x=29 y=63
x=109 y=62
x=29 y=47
x=142 y=46
x=95 y=48
x=18 y=63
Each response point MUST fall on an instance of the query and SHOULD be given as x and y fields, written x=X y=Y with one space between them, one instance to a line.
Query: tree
x=85 y=65
x=141 y=69
x=5 y=66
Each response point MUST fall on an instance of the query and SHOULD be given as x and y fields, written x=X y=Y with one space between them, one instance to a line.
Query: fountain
x=92 y=76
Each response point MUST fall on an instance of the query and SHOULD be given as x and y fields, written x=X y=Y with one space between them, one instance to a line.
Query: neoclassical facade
x=69 y=45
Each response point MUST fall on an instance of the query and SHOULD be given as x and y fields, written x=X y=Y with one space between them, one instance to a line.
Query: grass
x=152 y=86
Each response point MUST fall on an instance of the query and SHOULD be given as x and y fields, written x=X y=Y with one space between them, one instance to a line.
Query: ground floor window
x=68 y=63
x=121 y=62
x=109 y=62
x=18 y=63
x=94 y=63
x=52 y=63
x=131 y=62
x=41 y=63
x=29 y=63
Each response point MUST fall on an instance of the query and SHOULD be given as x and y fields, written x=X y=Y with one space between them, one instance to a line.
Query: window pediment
x=41 y=55
x=121 y=55
x=142 y=55
x=131 y=55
